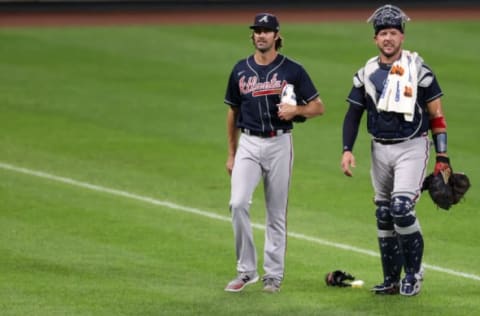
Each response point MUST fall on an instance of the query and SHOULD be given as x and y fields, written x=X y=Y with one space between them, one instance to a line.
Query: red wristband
x=438 y=122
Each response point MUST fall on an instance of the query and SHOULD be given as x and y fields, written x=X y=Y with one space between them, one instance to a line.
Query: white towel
x=400 y=90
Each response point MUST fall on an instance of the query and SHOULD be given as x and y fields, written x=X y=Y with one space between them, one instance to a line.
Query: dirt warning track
x=216 y=16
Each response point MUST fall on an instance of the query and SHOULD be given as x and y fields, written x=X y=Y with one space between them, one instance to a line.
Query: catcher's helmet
x=388 y=16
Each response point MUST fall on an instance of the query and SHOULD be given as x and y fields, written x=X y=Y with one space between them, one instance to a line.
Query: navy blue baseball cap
x=266 y=21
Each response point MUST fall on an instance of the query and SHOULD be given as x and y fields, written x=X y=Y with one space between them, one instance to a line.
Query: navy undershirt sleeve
x=351 y=124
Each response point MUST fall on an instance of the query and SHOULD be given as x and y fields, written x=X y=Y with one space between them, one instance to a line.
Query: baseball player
x=259 y=129
x=401 y=97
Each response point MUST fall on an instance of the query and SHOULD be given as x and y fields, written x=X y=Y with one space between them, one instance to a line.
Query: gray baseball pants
x=272 y=160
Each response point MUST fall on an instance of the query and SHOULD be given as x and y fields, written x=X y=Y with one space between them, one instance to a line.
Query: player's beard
x=264 y=47
x=391 y=52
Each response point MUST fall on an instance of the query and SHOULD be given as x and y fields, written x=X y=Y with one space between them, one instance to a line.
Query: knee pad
x=384 y=218
x=403 y=213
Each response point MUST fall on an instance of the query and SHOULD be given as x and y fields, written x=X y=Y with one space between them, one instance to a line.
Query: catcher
x=401 y=98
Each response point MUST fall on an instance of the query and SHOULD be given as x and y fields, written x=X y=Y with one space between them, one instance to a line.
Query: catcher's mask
x=388 y=16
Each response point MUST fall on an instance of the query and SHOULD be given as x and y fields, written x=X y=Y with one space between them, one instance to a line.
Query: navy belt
x=385 y=141
x=390 y=141
x=274 y=133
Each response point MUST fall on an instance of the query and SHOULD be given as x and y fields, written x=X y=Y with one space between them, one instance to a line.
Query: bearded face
x=264 y=39
x=389 y=41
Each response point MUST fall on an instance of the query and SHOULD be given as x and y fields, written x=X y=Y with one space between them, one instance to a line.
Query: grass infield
x=140 y=110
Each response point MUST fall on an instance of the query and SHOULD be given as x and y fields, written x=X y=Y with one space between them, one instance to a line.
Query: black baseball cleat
x=386 y=288
x=411 y=285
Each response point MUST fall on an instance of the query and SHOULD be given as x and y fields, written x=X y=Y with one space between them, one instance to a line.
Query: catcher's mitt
x=338 y=278
x=446 y=189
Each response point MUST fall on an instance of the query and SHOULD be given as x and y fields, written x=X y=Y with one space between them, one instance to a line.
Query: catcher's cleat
x=242 y=280
x=411 y=285
x=386 y=288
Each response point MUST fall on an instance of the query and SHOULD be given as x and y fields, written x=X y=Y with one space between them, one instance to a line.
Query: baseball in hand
x=288 y=95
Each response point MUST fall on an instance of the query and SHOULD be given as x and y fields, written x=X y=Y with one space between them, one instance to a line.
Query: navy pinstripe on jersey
x=255 y=90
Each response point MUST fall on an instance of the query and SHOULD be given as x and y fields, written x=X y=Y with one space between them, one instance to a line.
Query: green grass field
x=122 y=206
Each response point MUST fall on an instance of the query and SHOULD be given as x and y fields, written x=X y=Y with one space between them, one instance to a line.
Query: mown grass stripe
x=192 y=210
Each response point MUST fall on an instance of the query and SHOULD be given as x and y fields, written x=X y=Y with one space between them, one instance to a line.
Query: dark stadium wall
x=26 y=5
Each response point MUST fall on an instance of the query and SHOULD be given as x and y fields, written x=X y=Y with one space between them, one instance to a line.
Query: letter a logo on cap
x=264 y=19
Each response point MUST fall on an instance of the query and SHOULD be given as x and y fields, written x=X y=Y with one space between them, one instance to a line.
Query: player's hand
x=442 y=164
x=229 y=164
x=348 y=160
x=286 y=111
